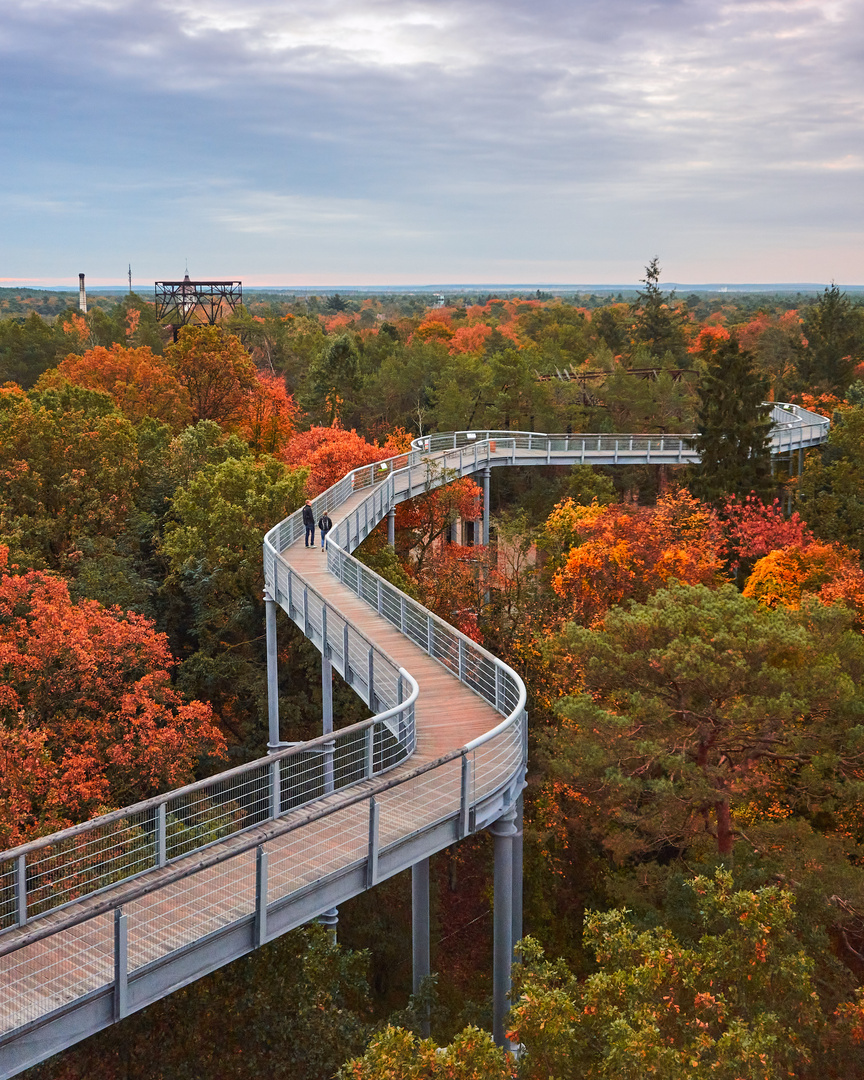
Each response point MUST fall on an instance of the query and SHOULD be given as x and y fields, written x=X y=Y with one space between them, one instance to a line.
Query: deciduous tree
x=88 y=717
x=737 y=999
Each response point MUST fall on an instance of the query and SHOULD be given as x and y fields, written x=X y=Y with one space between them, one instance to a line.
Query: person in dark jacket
x=309 y=522
x=324 y=526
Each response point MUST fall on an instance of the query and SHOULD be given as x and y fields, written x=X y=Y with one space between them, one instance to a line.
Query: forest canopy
x=691 y=640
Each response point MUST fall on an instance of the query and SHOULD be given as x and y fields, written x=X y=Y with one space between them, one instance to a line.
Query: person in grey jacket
x=324 y=526
x=309 y=522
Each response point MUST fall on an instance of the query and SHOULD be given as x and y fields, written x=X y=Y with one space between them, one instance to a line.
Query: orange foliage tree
x=331 y=452
x=469 y=338
x=139 y=382
x=425 y=519
x=830 y=572
x=268 y=421
x=88 y=717
x=223 y=385
x=615 y=553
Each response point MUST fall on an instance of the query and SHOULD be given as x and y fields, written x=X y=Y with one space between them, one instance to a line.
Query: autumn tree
x=755 y=528
x=733 y=428
x=213 y=550
x=216 y=372
x=139 y=382
x=429 y=516
x=68 y=466
x=329 y=453
x=736 y=997
x=396 y=1052
x=89 y=719
x=617 y=552
x=786 y=575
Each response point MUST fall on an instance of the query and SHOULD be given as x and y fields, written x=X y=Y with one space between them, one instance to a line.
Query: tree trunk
x=725 y=834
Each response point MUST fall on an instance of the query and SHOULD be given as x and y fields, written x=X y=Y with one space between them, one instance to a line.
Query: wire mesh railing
x=793 y=428
x=52 y=872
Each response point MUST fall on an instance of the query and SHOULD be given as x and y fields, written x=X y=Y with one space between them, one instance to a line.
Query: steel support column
x=421 y=963
x=487 y=472
x=517 y=871
x=391 y=527
x=503 y=830
x=272 y=673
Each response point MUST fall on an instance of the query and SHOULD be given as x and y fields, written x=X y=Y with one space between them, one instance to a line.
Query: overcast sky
x=402 y=142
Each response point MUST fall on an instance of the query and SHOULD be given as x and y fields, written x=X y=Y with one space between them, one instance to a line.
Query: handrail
x=41 y=892
x=86 y=859
x=803 y=420
x=50 y=872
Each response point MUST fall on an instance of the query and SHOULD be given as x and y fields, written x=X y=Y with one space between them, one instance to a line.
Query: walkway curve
x=102 y=919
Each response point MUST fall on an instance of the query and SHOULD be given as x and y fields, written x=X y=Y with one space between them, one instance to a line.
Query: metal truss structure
x=182 y=302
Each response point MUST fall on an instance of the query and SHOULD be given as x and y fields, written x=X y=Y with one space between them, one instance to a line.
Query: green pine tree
x=657 y=323
x=734 y=426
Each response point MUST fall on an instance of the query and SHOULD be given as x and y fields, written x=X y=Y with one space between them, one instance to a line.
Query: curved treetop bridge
x=104 y=918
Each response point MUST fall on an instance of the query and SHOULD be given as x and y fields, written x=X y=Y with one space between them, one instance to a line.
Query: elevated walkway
x=102 y=919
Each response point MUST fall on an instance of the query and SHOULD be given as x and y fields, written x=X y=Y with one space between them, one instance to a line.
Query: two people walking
x=324 y=525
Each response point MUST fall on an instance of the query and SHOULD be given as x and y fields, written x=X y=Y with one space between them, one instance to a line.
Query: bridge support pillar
x=503 y=830
x=391 y=527
x=421 y=962
x=273 y=742
x=330 y=919
x=487 y=472
x=517 y=871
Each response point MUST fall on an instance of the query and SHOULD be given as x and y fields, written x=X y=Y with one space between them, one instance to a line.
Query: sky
x=398 y=142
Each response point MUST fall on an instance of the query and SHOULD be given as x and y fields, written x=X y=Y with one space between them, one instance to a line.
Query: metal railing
x=50 y=873
x=794 y=428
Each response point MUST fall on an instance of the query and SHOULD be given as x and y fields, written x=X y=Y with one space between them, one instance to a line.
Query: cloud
x=477 y=123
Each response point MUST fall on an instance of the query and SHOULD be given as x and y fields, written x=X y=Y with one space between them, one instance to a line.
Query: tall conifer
x=734 y=426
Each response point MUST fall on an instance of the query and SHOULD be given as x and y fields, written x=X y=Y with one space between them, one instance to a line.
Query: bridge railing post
x=161 y=835
x=21 y=890
x=372 y=857
x=121 y=964
x=275 y=790
x=370 y=752
x=260 y=896
x=465 y=798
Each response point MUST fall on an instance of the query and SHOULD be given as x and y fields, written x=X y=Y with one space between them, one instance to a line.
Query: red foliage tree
x=331 y=452
x=754 y=528
x=424 y=519
x=88 y=718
